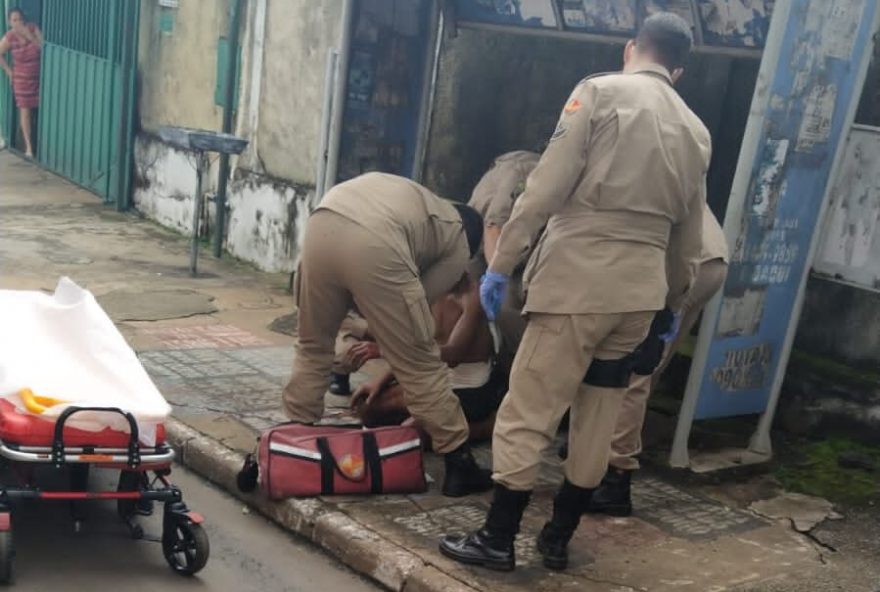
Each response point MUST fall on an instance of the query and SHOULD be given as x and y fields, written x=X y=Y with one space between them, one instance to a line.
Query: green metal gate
x=87 y=93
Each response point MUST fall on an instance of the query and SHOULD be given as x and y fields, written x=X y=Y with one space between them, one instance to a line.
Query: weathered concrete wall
x=284 y=47
x=177 y=69
x=500 y=91
x=267 y=218
x=841 y=323
x=164 y=183
x=299 y=34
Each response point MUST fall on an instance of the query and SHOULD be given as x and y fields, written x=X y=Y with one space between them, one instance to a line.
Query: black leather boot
x=570 y=503
x=463 y=475
x=339 y=384
x=612 y=497
x=492 y=545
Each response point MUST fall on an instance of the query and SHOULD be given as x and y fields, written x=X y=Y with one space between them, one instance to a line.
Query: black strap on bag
x=371 y=458
x=328 y=465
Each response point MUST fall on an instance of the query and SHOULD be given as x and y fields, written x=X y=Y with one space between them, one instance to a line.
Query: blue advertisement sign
x=385 y=83
x=737 y=23
x=523 y=13
x=723 y=23
x=809 y=98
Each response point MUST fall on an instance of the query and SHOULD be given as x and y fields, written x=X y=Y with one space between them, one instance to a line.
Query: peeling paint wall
x=164 y=183
x=266 y=219
x=284 y=48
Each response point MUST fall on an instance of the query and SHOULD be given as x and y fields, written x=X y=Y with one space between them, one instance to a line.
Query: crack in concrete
x=817 y=544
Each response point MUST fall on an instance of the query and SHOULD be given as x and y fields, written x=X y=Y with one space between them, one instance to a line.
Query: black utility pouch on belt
x=650 y=352
x=643 y=361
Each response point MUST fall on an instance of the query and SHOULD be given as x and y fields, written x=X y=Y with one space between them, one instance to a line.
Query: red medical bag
x=298 y=460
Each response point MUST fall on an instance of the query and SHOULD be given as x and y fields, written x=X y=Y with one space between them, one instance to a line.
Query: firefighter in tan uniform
x=621 y=190
x=387 y=247
x=493 y=198
x=613 y=495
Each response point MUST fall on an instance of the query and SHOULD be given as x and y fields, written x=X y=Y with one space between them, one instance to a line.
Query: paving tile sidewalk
x=211 y=353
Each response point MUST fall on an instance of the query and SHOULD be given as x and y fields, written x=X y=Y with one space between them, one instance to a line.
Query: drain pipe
x=228 y=112
x=335 y=133
x=326 y=111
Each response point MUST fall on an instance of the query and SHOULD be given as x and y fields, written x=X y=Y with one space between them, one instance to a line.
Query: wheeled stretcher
x=109 y=415
x=28 y=441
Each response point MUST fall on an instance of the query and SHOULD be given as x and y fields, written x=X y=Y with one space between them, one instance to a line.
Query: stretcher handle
x=134 y=457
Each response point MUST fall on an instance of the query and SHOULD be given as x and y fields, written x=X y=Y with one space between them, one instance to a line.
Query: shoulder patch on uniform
x=572 y=106
x=560 y=131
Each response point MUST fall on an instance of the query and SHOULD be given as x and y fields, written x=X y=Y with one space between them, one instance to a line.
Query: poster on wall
x=737 y=23
x=601 y=16
x=810 y=94
x=850 y=245
x=524 y=13
x=682 y=8
x=384 y=87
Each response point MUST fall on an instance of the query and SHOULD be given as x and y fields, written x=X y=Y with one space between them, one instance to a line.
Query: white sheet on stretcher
x=65 y=346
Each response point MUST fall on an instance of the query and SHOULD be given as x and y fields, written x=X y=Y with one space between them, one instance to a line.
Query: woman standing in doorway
x=25 y=41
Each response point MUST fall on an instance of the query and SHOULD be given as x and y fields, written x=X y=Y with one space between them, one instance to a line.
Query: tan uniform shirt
x=621 y=182
x=714 y=241
x=494 y=195
x=424 y=229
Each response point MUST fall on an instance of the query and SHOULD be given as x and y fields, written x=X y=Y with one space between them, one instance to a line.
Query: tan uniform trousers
x=343 y=264
x=547 y=380
x=627 y=441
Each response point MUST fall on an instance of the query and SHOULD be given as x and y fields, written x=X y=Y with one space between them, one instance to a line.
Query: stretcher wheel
x=7 y=554
x=186 y=548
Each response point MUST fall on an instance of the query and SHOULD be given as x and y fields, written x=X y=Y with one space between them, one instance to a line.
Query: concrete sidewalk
x=206 y=342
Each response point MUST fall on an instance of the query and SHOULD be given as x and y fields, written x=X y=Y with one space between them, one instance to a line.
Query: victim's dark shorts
x=481 y=402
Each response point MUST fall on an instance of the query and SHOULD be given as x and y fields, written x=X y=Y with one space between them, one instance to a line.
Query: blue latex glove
x=670 y=335
x=492 y=289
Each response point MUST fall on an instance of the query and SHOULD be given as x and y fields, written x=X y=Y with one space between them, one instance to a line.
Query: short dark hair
x=473 y=226
x=668 y=37
x=17 y=10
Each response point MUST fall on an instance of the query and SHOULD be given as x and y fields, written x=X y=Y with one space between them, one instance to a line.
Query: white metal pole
x=326 y=114
x=259 y=13
x=429 y=91
x=339 y=94
x=751 y=143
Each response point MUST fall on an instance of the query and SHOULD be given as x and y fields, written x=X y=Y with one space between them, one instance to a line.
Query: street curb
x=352 y=543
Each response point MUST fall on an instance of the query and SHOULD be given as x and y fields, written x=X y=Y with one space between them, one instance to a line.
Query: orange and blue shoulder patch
x=572 y=106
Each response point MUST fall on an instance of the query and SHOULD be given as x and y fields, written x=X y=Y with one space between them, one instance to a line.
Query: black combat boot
x=570 y=503
x=492 y=545
x=612 y=497
x=339 y=384
x=463 y=475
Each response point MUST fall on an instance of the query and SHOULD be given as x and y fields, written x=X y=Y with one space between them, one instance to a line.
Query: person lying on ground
x=355 y=346
x=467 y=347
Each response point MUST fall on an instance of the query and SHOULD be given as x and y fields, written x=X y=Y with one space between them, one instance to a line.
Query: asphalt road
x=248 y=553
